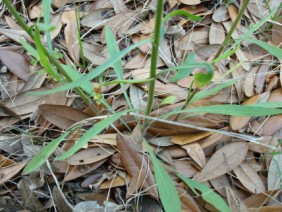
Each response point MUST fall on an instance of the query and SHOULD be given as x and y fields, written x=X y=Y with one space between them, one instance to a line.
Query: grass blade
x=95 y=130
x=94 y=73
x=44 y=153
x=274 y=50
x=166 y=187
x=46 y=15
x=181 y=73
x=208 y=195
x=113 y=50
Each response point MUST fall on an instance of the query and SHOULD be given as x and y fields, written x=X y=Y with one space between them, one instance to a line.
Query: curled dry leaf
x=223 y=161
x=249 y=178
x=71 y=34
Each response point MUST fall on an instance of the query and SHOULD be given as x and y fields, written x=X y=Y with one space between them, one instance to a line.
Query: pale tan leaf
x=196 y=152
x=185 y=168
x=148 y=28
x=109 y=139
x=220 y=14
x=186 y=139
x=137 y=62
x=116 y=182
x=234 y=201
x=90 y=155
x=119 y=6
x=97 y=18
x=233 y=13
x=272 y=125
x=93 y=53
x=71 y=34
x=36 y=11
x=268 y=140
x=190 y=2
x=249 y=178
x=216 y=34
x=187 y=201
x=261 y=78
x=223 y=161
x=272 y=208
x=276 y=32
x=16 y=63
x=274 y=173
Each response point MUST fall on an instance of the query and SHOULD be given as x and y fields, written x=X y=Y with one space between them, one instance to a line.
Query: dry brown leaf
x=187 y=201
x=170 y=89
x=97 y=18
x=119 y=6
x=274 y=208
x=16 y=63
x=136 y=166
x=137 y=62
x=216 y=34
x=223 y=161
x=233 y=12
x=93 y=53
x=274 y=173
x=61 y=201
x=186 y=139
x=75 y=172
x=57 y=22
x=268 y=140
x=276 y=32
x=272 y=125
x=116 y=182
x=61 y=116
x=24 y=104
x=261 y=77
x=8 y=172
x=71 y=36
x=238 y=122
x=258 y=200
x=109 y=139
x=36 y=11
x=249 y=178
x=91 y=155
x=221 y=14
x=185 y=168
x=148 y=28
x=234 y=201
x=196 y=152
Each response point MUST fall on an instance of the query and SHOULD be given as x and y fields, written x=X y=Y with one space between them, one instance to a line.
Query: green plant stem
x=154 y=56
x=227 y=38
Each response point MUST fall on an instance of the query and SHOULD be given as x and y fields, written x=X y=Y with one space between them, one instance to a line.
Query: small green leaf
x=201 y=78
x=208 y=195
x=44 y=153
x=95 y=130
x=168 y=193
x=182 y=73
x=274 y=50
x=29 y=49
x=169 y=100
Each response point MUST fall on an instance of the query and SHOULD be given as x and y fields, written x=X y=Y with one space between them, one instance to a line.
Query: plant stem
x=154 y=56
x=227 y=38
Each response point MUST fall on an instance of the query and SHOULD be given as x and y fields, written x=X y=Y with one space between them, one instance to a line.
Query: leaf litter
x=112 y=170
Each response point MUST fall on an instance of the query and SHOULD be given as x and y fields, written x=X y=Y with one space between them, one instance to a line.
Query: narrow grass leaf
x=268 y=105
x=168 y=193
x=93 y=73
x=208 y=92
x=29 y=49
x=46 y=15
x=208 y=195
x=39 y=159
x=233 y=110
x=274 y=50
x=181 y=73
x=95 y=130
x=43 y=58
x=113 y=50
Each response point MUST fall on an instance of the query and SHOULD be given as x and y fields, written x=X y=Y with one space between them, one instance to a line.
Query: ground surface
x=112 y=170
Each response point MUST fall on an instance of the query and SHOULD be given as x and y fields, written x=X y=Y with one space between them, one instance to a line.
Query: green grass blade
x=29 y=49
x=233 y=110
x=113 y=50
x=181 y=73
x=274 y=50
x=93 y=73
x=208 y=92
x=46 y=15
x=208 y=194
x=43 y=59
x=168 y=193
x=44 y=153
x=268 y=105
x=95 y=130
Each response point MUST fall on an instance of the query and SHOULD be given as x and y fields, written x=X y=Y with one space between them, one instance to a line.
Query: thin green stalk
x=227 y=38
x=154 y=56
